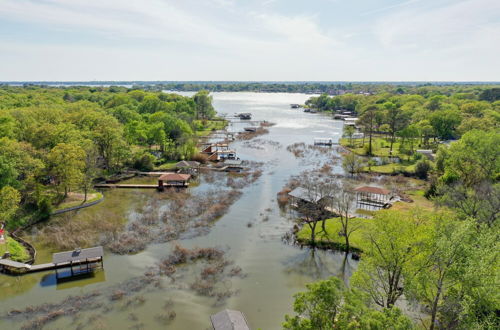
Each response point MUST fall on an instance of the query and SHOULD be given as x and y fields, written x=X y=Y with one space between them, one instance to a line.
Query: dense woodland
x=56 y=140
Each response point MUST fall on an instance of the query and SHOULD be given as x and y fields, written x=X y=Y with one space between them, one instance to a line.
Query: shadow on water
x=64 y=280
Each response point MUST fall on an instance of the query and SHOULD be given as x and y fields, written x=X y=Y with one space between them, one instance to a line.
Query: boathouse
x=173 y=180
x=233 y=165
x=187 y=164
x=229 y=320
x=373 y=196
x=79 y=261
x=323 y=141
x=244 y=116
x=301 y=195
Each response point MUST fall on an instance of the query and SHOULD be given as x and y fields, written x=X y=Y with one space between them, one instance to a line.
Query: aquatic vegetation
x=214 y=273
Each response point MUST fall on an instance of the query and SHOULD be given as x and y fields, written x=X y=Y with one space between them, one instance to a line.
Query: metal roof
x=174 y=177
x=373 y=190
x=77 y=255
x=229 y=320
x=305 y=195
x=232 y=162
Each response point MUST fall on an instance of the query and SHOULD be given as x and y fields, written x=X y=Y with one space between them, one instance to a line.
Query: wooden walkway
x=81 y=257
x=132 y=186
x=27 y=268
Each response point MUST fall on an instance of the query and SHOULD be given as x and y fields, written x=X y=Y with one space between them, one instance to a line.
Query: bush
x=144 y=162
x=422 y=169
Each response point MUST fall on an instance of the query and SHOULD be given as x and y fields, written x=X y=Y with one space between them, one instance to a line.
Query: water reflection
x=63 y=280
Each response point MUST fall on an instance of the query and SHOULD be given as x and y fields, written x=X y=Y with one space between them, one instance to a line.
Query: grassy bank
x=77 y=199
x=17 y=250
x=331 y=237
x=204 y=128
x=381 y=146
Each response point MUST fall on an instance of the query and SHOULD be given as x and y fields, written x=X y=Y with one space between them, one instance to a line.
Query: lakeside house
x=218 y=151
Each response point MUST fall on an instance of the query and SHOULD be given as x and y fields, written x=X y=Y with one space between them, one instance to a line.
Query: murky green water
x=275 y=270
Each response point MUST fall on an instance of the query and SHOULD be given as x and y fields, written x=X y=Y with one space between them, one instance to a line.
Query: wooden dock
x=86 y=259
x=130 y=186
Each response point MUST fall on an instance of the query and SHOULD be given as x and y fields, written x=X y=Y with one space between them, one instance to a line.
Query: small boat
x=250 y=129
x=244 y=116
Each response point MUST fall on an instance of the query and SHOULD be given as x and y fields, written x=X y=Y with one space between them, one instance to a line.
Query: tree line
x=54 y=140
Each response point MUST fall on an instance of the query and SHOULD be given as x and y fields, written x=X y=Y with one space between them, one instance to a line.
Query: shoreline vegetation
x=437 y=247
x=421 y=247
x=56 y=142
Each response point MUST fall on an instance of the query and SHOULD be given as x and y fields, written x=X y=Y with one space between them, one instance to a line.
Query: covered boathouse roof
x=229 y=320
x=174 y=177
x=372 y=190
x=78 y=255
x=187 y=163
x=304 y=195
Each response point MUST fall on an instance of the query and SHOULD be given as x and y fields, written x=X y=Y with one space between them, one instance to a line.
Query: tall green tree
x=395 y=242
x=367 y=120
x=9 y=203
x=204 y=108
x=67 y=162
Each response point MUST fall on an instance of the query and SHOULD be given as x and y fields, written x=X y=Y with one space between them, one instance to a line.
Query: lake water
x=275 y=270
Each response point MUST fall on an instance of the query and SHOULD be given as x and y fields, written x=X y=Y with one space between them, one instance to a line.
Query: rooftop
x=229 y=320
x=304 y=194
x=372 y=190
x=174 y=177
x=77 y=255
x=187 y=163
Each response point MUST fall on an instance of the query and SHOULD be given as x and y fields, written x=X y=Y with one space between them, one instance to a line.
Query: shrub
x=422 y=169
x=144 y=162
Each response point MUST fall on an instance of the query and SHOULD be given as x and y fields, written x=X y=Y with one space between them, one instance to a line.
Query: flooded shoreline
x=249 y=232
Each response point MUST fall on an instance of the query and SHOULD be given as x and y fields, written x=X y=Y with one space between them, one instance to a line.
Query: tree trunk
x=85 y=190
x=370 y=145
x=435 y=305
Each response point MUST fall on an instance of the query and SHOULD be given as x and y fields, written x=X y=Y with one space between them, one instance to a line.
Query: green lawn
x=209 y=126
x=72 y=202
x=168 y=165
x=380 y=146
x=17 y=251
x=332 y=238
x=392 y=168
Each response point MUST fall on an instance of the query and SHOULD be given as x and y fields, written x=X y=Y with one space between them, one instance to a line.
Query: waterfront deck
x=89 y=258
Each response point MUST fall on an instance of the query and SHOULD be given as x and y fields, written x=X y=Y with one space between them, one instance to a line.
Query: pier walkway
x=81 y=257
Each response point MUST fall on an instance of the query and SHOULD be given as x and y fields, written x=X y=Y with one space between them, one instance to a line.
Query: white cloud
x=231 y=40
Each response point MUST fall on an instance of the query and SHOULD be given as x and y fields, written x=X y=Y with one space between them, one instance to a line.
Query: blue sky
x=321 y=40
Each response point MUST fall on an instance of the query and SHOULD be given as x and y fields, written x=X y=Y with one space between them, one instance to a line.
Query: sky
x=250 y=40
